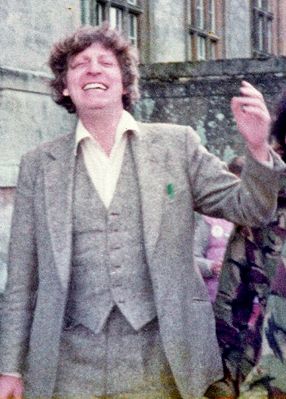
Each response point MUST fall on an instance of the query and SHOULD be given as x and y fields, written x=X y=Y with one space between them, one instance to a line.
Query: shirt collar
x=126 y=123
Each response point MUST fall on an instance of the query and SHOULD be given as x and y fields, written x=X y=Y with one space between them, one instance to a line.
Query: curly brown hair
x=85 y=36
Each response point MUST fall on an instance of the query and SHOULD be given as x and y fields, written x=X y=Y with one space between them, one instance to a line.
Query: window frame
x=262 y=24
x=126 y=7
x=205 y=31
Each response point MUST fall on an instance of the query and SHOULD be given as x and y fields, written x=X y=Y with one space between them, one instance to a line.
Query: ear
x=66 y=92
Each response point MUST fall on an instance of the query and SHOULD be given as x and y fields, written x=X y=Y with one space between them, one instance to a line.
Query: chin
x=95 y=106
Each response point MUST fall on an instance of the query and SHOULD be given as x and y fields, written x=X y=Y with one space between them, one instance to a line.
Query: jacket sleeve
x=250 y=200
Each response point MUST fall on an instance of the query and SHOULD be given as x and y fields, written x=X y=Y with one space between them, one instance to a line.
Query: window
x=121 y=14
x=211 y=18
x=199 y=12
x=116 y=18
x=133 y=28
x=202 y=29
x=201 y=47
x=262 y=28
x=99 y=14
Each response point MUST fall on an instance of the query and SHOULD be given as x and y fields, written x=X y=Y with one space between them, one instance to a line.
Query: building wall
x=165 y=31
x=281 y=27
x=28 y=116
x=237 y=29
x=199 y=94
x=28 y=28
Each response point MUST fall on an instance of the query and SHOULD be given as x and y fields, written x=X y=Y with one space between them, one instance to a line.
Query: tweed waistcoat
x=109 y=266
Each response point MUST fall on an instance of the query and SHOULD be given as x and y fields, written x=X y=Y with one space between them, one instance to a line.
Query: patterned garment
x=250 y=308
x=211 y=239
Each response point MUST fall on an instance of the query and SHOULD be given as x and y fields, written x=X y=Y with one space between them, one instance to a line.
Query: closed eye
x=107 y=63
x=78 y=65
x=78 y=62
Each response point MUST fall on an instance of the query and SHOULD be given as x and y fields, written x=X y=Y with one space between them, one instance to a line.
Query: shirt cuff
x=17 y=375
x=269 y=163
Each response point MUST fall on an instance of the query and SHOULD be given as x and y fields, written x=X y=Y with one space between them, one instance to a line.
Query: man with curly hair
x=103 y=299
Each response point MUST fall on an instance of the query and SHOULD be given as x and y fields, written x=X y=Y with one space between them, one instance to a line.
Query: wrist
x=261 y=152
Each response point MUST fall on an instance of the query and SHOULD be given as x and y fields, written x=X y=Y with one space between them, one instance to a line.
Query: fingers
x=248 y=104
x=11 y=387
x=237 y=106
x=246 y=89
x=250 y=101
x=252 y=120
x=19 y=392
x=245 y=113
x=255 y=112
x=254 y=101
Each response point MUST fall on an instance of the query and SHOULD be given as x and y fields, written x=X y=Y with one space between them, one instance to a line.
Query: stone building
x=194 y=30
x=171 y=37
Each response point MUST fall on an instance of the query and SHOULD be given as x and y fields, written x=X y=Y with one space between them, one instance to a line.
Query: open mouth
x=95 y=86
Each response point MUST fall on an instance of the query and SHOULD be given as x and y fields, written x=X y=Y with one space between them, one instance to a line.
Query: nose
x=94 y=67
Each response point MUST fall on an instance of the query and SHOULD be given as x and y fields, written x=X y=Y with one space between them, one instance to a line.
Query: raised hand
x=253 y=120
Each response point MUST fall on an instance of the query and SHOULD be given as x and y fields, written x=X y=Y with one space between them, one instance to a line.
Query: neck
x=102 y=126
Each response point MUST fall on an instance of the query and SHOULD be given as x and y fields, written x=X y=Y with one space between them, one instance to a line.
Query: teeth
x=98 y=86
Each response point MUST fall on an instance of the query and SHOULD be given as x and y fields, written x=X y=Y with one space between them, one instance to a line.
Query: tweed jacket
x=176 y=176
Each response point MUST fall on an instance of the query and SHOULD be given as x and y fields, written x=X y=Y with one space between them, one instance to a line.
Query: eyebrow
x=84 y=57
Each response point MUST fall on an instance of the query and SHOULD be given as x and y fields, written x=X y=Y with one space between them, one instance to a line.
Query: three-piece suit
x=73 y=262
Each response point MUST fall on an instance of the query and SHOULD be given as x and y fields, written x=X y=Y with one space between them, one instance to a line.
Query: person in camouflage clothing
x=250 y=306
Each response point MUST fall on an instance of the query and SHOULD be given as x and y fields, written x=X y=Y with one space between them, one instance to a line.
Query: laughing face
x=94 y=80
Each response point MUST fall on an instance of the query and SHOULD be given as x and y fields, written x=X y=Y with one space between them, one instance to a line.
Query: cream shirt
x=104 y=170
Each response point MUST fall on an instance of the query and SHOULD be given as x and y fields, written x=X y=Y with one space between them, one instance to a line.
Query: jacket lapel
x=59 y=172
x=150 y=160
x=150 y=165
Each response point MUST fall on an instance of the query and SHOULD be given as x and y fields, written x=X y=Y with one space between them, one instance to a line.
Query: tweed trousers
x=118 y=362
